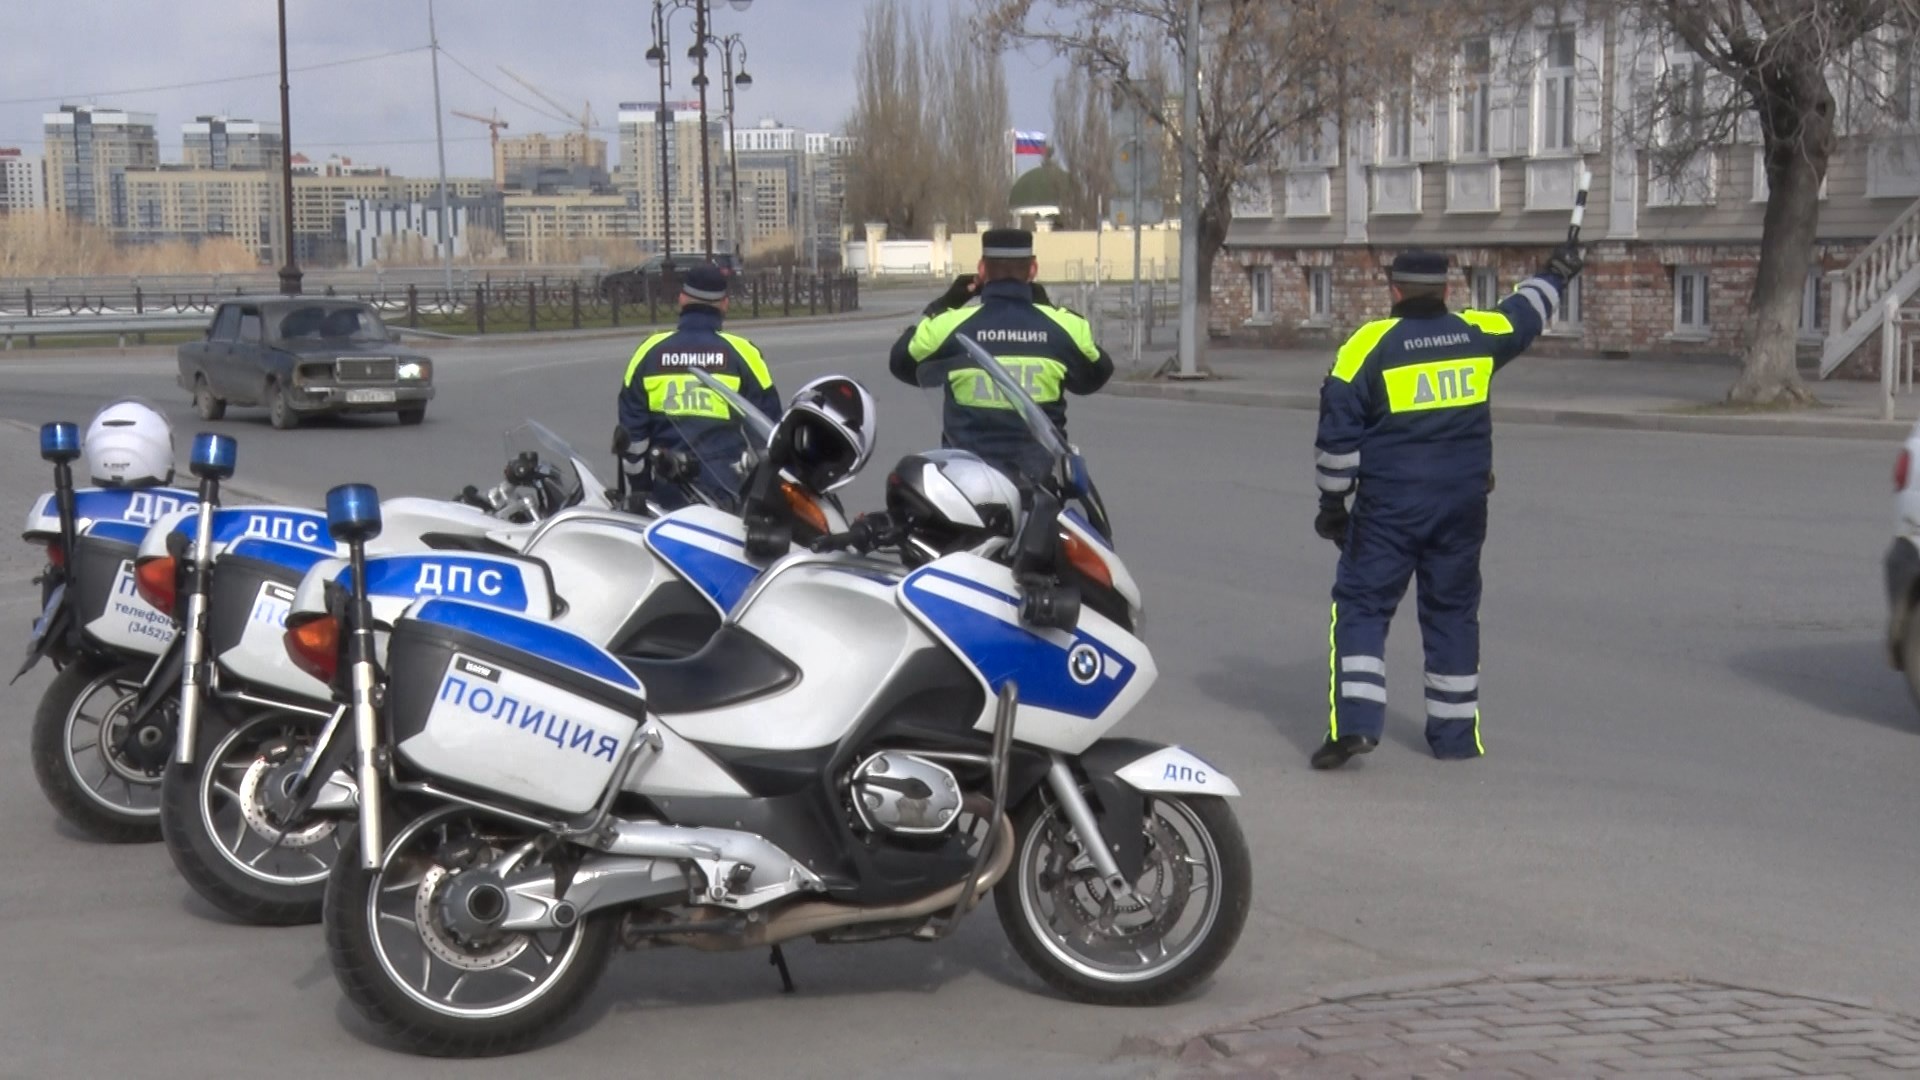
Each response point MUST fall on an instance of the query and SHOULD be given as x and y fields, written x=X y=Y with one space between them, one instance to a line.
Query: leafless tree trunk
x=1081 y=135
x=892 y=173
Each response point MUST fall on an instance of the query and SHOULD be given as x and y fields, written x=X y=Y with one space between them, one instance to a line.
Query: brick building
x=1486 y=171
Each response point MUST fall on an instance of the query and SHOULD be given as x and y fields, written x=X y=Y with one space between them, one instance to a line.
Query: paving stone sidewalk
x=1537 y=1028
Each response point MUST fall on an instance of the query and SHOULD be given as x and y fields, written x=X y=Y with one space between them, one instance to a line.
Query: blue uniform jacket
x=1406 y=407
x=662 y=404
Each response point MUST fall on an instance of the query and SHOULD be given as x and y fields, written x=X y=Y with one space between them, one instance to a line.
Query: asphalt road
x=1700 y=762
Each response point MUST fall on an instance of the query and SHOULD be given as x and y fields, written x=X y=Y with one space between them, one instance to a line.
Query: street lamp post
x=728 y=82
x=657 y=55
x=660 y=58
x=289 y=273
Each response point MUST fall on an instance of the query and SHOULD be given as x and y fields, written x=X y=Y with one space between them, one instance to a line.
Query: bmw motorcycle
x=252 y=821
x=102 y=639
x=866 y=750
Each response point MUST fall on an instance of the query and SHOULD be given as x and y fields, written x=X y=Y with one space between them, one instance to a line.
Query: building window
x=1476 y=117
x=1399 y=129
x=1556 y=113
x=1690 y=301
x=1260 y=281
x=1485 y=285
x=1566 y=315
x=1320 y=294
x=1684 y=101
x=1810 y=324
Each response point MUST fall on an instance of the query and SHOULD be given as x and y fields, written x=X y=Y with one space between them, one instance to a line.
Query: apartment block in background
x=683 y=207
x=219 y=142
x=23 y=182
x=88 y=152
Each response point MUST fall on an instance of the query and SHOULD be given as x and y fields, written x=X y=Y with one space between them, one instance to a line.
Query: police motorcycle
x=866 y=749
x=103 y=732
x=102 y=639
x=252 y=822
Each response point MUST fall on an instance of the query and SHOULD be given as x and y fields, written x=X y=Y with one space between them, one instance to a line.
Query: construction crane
x=494 y=125
x=584 y=118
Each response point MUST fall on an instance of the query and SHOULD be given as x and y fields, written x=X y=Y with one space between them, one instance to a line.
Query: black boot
x=1334 y=752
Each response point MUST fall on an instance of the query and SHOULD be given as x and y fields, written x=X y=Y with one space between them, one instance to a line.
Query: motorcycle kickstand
x=779 y=960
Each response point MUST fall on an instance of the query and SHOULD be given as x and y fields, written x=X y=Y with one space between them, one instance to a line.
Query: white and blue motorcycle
x=865 y=750
x=251 y=821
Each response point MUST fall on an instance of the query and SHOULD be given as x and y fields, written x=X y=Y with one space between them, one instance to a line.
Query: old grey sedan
x=301 y=356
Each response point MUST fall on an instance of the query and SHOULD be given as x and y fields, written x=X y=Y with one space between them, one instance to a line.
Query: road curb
x=1168 y=1042
x=1558 y=416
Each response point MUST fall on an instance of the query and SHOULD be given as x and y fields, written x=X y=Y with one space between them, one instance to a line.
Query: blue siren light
x=353 y=512
x=59 y=441
x=214 y=455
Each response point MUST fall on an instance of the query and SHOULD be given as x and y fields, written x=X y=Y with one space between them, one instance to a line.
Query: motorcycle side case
x=248 y=598
x=509 y=706
x=100 y=586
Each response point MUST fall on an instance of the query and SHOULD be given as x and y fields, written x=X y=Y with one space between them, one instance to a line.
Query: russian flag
x=1029 y=142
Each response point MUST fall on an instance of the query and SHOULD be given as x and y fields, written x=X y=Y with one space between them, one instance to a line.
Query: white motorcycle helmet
x=129 y=445
x=950 y=501
x=826 y=434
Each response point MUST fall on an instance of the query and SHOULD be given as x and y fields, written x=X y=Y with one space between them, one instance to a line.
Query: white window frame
x=1483 y=288
x=1476 y=102
x=1559 y=83
x=1566 y=314
x=1319 y=295
x=1811 y=326
x=1692 y=287
x=1396 y=129
x=1260 y=289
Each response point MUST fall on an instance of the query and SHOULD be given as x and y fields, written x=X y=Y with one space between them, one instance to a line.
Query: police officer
x=1404 y=417
x=1049 y=349
x=665 y=409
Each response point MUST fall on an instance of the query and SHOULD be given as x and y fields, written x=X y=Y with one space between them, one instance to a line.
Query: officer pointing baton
x=1406 y=432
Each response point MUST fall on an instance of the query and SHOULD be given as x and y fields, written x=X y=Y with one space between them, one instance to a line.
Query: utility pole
x=658 y=55
x=699 y=54
x=440 y=141
x=1139 y=167
x=290 y=270
x=1190 y=327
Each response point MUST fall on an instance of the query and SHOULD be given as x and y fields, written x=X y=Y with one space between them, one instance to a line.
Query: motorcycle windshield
x=717 y=440
x=554 y=454
x=984 y=408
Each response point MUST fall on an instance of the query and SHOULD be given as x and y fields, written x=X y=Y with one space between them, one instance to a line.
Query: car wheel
x=411 y=417
x=205 y=405
x=279 y=409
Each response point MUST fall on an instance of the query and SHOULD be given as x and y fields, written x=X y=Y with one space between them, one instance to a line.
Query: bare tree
x=1081 y=135
x=894 y=172
x=1271 y=69
x=974 y=115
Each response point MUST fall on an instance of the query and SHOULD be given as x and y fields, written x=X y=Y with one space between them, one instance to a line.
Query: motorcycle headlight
x=415 y=369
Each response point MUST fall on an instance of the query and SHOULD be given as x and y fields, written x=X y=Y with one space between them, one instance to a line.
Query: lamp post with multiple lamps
x=657 y=55
x=729 y=81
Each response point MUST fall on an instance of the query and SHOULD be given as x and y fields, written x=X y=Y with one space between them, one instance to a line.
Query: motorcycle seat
x=732 y=667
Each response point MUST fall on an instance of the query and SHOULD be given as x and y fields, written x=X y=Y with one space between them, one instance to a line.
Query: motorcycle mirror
x=1078 y=479
x=213 y=456
x=353 y=513
x=59 y=442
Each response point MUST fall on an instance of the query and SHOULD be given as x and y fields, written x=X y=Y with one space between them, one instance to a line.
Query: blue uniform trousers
x=1437 y=537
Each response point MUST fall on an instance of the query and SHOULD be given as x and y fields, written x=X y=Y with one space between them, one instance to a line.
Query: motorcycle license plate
x=46 y=617
x=370 y=397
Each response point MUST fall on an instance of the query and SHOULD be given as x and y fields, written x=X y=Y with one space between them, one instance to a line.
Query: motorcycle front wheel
x=80 y=755
x=1184 y=916
x=435 y=988
x=225 y=827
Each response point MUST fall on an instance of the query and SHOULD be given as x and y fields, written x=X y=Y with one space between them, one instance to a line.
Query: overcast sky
x=801 y=54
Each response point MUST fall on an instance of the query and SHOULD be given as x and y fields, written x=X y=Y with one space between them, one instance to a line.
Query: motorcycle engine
x=898 y=792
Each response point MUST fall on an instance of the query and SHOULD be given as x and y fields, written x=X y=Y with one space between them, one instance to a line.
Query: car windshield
x=332 y=322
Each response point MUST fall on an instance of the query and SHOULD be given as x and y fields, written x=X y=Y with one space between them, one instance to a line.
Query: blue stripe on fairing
x=125 y=532
x=539 y=639
x=307 y=528
x=118 y=504
x=1001 y=650
x=722 y=578
x=279 y=553
x=400 y=575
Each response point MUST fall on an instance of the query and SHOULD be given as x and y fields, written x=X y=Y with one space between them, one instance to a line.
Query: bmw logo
x=1083 y=663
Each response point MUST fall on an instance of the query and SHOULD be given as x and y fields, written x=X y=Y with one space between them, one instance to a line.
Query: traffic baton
x=1579 y=206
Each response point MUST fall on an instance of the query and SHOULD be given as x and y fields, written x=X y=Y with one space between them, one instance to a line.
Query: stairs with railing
x=1888 y=268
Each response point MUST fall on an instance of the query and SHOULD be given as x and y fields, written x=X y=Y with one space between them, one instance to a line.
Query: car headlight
x=415 y=369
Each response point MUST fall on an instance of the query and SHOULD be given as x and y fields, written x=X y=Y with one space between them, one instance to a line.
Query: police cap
x=1420 y=268
x=706 y=283
x=1006 y=244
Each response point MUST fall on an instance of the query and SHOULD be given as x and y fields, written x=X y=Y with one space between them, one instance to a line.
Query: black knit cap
x=705 y=283
x=1420 y=268
x=1006 y=244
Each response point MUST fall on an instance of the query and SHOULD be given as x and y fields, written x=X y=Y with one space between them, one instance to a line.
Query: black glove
x=956 y=295
x=1040 y=294
x=1565 y=262
x=1331 y=522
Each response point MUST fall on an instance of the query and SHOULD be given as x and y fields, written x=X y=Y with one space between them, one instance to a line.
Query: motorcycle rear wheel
x=1102 y=950
x=217 y=817
x=77 y=757
x=406 y=976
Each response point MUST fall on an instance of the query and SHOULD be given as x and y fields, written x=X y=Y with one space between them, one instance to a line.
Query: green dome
x=1043 y=185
